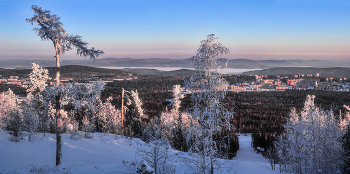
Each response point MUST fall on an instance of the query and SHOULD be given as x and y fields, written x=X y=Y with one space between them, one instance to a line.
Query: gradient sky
x=254 y=29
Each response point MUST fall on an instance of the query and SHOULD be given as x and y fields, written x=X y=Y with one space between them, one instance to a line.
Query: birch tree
x=51 y=29
x=208 y=89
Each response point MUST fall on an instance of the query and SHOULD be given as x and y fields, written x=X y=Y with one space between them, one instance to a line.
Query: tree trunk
x=123 y=111
x=211 y=165
x=58 y=116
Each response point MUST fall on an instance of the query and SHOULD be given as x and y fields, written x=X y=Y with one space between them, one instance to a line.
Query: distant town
x=260 y=82
x=293 y=82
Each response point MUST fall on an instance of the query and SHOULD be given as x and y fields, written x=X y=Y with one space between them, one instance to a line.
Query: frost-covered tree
x=344 y=125
x=174 y=124
x=51 y=29
x=31 y=114
x=133 y=115
x=311 y=142
x=85 y=95
x=112 y=116
x=11 y=116
x=38 y=81
x=346 y=153
x=38 y=78
x=208 y=89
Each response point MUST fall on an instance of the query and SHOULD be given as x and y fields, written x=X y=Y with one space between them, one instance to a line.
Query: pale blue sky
x=255 y=29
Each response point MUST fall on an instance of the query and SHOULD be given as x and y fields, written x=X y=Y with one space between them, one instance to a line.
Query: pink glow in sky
x=277 y=29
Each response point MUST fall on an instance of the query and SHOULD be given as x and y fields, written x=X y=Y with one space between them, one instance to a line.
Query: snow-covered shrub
x=143 y=168
x=46 y=169
x=152 y=131
x=156 y=154
x=311 y=142
x=73 y=130
x=88 y=127
x=13 y=138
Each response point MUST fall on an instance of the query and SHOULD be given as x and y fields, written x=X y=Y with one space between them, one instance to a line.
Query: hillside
x=325 y=72
x=105 y=153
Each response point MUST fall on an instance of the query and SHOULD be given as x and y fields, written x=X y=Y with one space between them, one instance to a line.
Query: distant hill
x=184 y=63
x=79 y=71
x=68 y=71
x=180 y=72
x=328 y=72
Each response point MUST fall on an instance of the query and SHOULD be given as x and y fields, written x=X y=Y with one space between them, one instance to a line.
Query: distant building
x=3 y=81
x=14 y=83
x=236 y=88
x=281 y=87
x=176 y=86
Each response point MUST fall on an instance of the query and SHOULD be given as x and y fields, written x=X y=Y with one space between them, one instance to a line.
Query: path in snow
x=247 y=160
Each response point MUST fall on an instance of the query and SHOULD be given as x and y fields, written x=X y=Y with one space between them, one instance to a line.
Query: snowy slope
x=105 y=154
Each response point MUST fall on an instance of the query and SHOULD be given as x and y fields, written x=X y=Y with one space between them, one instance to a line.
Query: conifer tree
x=51 y=29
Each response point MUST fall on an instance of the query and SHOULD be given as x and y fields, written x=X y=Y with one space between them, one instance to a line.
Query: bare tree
x=51 y=29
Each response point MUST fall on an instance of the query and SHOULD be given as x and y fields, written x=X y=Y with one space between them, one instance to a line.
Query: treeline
x=18 y=90
x=68 y=71
x=267 y=111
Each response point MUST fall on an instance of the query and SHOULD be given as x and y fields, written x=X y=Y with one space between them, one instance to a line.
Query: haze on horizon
x=275 y=29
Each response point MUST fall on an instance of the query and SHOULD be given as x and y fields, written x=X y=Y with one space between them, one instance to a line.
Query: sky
x=251 y=29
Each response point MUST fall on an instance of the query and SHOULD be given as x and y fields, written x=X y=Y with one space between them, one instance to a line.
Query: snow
x=247 y=161
x=105 y=153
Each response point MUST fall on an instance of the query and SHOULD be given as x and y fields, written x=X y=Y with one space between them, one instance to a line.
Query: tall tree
x=208 y=89
x=51 y=29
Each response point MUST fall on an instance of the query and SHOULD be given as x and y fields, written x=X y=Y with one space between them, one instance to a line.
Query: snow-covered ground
x=105 y=153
